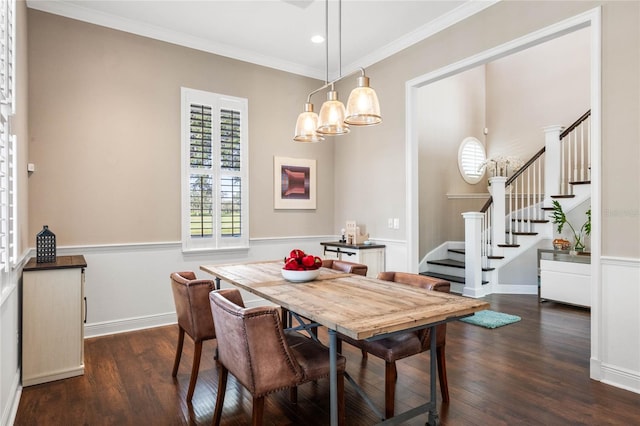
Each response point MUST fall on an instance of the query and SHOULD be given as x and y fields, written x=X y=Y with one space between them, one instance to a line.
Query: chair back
x=349 y=267
x=191 y=297
x=428 y=283
x=252 y=344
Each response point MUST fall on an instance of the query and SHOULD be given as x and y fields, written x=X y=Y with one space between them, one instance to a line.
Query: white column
x=473 y=255
x=552 y=163
x=497 y=191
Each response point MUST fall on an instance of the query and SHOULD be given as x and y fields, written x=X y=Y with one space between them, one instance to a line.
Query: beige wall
x=381 y=153
x=449 y=111
x=544 y=85
x=85 y=77
x=105 y=134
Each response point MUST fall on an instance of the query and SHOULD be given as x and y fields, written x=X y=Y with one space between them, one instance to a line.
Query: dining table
x=356 y=306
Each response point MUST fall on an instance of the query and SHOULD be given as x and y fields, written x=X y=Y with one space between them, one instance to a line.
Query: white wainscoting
x=620 y=338
x=127 y=286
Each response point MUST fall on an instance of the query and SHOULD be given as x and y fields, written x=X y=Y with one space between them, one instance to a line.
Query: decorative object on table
x=342 y=238
x=301 y=267
x=560 y=219
x=501 y=165
x=561 y=244
x=491 y=319
x=45 y=246
x=353 y=233
x=294 y=183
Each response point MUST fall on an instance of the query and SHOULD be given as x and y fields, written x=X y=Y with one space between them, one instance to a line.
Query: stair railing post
x=552 y=163
x=498 y=190
x=473 y=254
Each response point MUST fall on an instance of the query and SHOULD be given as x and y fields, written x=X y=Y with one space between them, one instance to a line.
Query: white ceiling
x=277 y=33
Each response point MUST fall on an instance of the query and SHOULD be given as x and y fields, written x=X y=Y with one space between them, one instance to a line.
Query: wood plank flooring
x=534 y=372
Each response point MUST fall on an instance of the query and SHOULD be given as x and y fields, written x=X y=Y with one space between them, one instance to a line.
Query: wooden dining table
x=356 y=306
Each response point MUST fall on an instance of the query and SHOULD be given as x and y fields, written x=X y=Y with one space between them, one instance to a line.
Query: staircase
x=501 y=239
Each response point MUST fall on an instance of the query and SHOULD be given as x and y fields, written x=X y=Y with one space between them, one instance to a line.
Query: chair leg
x=223 y=373
x=364 y=354
x=195 y=368
x=258 y=411
x=390 y=377
x=176 y=362
x=442 y=374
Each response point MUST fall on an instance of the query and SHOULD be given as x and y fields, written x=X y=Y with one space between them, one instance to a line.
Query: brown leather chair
x=262 y=356
x=191 y=297
x=403 y=345
x=349 y=267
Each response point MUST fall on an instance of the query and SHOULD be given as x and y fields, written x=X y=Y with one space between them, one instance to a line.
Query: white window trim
x=471 y=179
x=217 y=102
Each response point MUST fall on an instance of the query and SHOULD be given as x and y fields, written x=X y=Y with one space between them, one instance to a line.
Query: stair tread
x=581 y=182
x=459 y=251
x=495 y=257
x=451 y=278
x=447 y=262
x=524 y=233
x=563 y=196
x=453 y=263
x=532 y=220
x=508 y=245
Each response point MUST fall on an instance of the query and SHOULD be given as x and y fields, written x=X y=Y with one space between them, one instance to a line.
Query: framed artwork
x=294 y=183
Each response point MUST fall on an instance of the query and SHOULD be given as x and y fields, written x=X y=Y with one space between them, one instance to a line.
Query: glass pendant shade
x=306 y=126
x=331 y=119
x=363 y=108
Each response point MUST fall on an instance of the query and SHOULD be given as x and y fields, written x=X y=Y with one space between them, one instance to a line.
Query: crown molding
x=85 y=14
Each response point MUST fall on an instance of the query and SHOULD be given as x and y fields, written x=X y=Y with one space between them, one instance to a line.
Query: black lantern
x=45 y=246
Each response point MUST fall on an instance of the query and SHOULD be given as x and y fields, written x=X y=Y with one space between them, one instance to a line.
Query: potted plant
x=560 y=219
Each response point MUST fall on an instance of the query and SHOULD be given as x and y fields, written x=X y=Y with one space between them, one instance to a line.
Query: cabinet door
x=52 y=325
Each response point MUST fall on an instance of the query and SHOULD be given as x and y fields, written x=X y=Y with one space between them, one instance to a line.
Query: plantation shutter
x=7 y=160
x=217 y=175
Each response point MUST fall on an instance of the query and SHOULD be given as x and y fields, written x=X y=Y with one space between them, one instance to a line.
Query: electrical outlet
x=396 y=223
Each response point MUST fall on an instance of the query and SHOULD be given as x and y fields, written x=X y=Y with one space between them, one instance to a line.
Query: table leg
x=333 y=376
x=433 y=411
x=217 y=283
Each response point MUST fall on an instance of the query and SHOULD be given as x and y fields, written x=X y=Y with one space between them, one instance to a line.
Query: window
x=215 y=180
x=8 y=203
x=471 y=157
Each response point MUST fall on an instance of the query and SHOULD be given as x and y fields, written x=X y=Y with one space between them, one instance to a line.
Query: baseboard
x=9 y=416
x=620 y=378
x=128 y=324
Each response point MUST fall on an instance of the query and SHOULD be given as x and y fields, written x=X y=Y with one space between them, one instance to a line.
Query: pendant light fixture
x=363 y=108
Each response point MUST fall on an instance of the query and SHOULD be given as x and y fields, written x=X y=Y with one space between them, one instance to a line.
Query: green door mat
x=491 y=319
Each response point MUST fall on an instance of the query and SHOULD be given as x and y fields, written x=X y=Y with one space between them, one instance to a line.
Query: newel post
x=552 y=163
x=497 y=190
x=473 y=254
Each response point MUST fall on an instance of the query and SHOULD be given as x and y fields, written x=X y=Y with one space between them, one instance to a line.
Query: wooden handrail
x=574 y=125
x=487 y=205
x=523 y=168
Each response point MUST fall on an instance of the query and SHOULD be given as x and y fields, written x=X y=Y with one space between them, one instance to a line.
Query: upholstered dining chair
x=191 y=297
x=344 y=266
x=394 y=348
x=262 y=356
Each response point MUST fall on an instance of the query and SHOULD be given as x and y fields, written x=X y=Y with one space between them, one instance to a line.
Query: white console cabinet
x=371 y=255
x=53 y=314
x=565 y=278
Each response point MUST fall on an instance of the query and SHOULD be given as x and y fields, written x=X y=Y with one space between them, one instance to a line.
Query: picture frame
x=294 y=183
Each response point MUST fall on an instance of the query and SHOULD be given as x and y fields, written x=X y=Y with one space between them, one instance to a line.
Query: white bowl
x=300 y=276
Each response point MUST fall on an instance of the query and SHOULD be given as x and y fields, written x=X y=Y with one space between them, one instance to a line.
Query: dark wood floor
x=535 y=372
